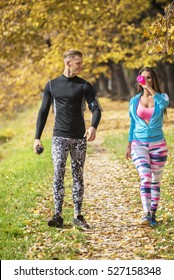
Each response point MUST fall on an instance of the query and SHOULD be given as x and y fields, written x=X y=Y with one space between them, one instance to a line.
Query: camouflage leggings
x=60 y=150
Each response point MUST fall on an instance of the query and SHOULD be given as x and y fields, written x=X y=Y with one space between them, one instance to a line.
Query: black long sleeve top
x=68 y=96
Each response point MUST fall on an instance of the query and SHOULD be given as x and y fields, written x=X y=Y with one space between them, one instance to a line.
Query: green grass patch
x=116 y=144
x=26 y=200
x=6 y=135
x=26 y=204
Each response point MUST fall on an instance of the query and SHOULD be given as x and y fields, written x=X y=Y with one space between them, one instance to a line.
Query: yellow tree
x=34 y=34
x=161 y=35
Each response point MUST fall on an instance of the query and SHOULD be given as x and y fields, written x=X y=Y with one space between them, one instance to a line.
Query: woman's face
x=148 y=77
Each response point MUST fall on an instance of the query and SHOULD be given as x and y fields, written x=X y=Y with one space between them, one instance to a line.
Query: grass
x=116 y=144
x=26 y=192
x=25 y=207
x=26 y=189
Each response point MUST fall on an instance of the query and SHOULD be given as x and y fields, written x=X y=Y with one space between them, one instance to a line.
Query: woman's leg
x=141 y=159
x=158 y=157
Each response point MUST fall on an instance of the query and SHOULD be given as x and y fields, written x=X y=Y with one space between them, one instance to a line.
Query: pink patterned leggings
x=149 y=159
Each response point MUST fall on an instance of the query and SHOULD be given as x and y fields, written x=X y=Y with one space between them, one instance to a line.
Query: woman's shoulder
x=163 y=95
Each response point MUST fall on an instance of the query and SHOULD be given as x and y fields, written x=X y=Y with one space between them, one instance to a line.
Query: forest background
x=117 y=38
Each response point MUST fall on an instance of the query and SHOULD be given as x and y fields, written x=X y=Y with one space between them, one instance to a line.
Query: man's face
x=75 y=64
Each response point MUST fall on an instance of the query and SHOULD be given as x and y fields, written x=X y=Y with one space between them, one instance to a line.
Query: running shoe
x=55 y=221
x=153 y=221
x=146 y=220
x=80 y=222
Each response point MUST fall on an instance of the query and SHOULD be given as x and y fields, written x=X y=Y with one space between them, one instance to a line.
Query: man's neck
x=67 y=73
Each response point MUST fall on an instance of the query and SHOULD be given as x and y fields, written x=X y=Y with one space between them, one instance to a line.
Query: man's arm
x=42 y=116
x=95 y=108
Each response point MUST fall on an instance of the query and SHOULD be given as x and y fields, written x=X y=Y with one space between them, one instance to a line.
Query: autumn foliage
x=34 y=35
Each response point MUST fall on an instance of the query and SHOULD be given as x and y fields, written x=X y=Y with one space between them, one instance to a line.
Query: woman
x=146 y=143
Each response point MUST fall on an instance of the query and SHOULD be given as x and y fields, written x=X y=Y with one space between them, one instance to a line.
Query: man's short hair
x=72 y=53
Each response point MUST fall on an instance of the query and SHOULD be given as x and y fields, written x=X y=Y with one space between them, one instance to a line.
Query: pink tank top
x=144 y=113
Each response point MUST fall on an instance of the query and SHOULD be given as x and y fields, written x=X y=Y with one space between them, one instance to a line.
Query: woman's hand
x=148 y=87
x=128 y=152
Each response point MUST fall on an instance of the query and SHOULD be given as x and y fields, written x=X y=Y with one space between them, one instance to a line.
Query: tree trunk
x=101 y=86
x=130 y=75
x=170 y=81
x=162 y=76
x=166 y=74
x=120 y=89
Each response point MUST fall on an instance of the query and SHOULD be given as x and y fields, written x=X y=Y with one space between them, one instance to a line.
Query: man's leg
x=60 y=149
x=78 y=154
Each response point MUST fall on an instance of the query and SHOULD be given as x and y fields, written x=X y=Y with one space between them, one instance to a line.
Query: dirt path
x=115 y=232
x=111 y=205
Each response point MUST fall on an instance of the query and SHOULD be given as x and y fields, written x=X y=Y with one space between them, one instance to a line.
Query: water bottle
x=141 y=79
x=39 y=149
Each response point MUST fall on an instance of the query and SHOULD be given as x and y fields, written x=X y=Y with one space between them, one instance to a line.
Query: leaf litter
x=112 y=207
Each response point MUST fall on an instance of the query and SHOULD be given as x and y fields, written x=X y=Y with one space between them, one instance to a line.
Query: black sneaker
x=80 y=221
x=55 y=221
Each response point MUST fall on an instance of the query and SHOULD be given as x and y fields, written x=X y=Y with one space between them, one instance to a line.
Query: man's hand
x=90 y=134
x=36 y=144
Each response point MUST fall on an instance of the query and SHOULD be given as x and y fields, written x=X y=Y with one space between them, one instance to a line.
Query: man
x=68 y=93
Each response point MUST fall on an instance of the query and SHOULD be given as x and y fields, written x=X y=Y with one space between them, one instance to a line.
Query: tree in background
x=117 y=38
x=161 y=43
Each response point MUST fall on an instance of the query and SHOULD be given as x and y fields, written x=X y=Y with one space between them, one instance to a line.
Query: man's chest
x=65 y=90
